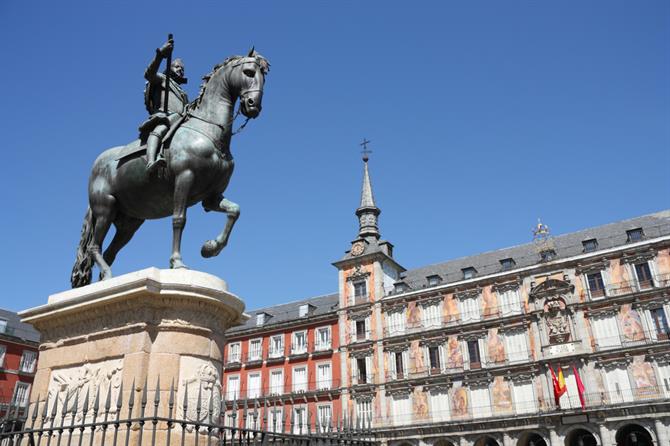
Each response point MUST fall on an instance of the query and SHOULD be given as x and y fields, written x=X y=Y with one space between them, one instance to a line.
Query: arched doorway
x=443 y=443
x=532 y=439
x=487 y=441
x=633 y=435
x=580 y=437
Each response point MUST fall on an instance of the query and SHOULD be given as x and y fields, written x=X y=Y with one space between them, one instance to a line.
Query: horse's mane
x=262 y=61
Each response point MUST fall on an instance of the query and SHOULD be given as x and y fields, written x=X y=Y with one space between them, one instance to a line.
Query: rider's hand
x=166 y=49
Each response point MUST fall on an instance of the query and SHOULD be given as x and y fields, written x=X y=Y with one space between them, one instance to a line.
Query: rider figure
x=154 y=96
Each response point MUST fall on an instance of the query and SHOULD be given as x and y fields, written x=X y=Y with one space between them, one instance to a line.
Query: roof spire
x=367 y=212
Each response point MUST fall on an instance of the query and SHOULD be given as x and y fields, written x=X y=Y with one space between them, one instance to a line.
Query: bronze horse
x=199 y=166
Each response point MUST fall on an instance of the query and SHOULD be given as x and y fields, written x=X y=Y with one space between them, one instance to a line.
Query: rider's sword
x=167 y=77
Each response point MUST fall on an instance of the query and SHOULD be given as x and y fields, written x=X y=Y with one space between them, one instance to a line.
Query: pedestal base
x=159 y=327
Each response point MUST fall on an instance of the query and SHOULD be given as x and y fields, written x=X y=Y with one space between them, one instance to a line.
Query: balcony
x=322 y=348
x=276 y=355
x=626 y=287
x=253 y=358
x=359 y=299
x=299 y=350
x=614 y=342
x=282 y=391
x=361 y=379
x=234 y=361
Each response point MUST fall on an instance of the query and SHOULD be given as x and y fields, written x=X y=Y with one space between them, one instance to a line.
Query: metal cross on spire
x=365 y=150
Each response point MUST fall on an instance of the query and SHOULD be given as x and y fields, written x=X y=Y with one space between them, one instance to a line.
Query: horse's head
x=246 y=77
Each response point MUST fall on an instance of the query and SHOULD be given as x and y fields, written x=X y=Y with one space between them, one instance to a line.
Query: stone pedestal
x=164 y=328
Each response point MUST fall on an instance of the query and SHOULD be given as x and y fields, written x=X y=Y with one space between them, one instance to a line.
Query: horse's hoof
x=177 y=264
x=105 y=275
x=210 y=249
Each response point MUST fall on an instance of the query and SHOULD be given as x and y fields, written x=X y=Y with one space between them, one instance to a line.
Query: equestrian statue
x=136 y=182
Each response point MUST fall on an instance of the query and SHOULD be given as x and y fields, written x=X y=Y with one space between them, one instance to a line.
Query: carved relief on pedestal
x=200 y=385
x=73 y=383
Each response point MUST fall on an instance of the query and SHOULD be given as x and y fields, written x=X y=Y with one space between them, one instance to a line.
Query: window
x=434 y=280
x=233 y=388
x=596 y=285
x=469 y=272
x=635 y=235
x=400 y=287
x=361 y=375
x=402 y=409
x=398 y=363
x=664 y=374
x=299 y=342
x=590 y=245
x=524 y=397
x=439 y=405
x=3 y=326
x=362 y=329
x=234 y=353
x=481 y=402
x=469 y=309
x=643 y=274
x=660 y=322
x=275 y=419
x=28 y=360
x=509 y=301
x=260 y=319
x=431 y=315
x=323 y=338
x=618 y=385
x=323 y=376
x=255 y=349
x=3 y=350
x=303 y=310
x=277 y=382
x=300 y=379
x=324 y=416
x=300 y=420
x=606 y=331
x=21 y=394
x=230 y=419
x=364 y=412
x=277 y=346
x=473 y=352
x=254 y=385
x=253 y=419
x=435 y=358
x=547 y=255
x=396 y=322
x=507 y=264
x=360 y=291
x=516 y=346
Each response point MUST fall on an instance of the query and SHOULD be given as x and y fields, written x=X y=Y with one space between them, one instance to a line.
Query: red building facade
x=282 y=368
x=19 y=343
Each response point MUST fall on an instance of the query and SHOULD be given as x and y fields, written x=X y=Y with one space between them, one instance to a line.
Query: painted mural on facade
x=502 y=395
x=489 y=302
x=460 y=402
x=454 y=355
x=644 y=378
x=451 y=313
x=413 y=315
x=495 y=347
x=420 y=404
x=417 y=363
x=631 y=324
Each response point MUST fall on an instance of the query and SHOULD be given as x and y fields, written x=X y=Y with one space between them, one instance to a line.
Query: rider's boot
x=153 y=141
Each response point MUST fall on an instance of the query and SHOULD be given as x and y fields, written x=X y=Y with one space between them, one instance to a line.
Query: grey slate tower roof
x=17 y=329
x=368 y=211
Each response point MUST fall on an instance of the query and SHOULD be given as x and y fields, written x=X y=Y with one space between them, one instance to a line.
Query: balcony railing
x=359 y=299
x=620 y=341
x=363 y=378
x=298 y=348
x=285 y=389
x=234 y=359
x=275 y=353
x=626 y=287
x=254 y=356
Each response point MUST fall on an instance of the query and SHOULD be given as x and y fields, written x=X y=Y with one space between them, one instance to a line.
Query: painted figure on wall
x=420 y=404
x=644 y=377
x=502 y=395
x=413 y=315
x=460 y=402
x=631 y=324
x=454 y=355
x=496 y=347
x=418 y=362
x=451 y=308
x=489 y=302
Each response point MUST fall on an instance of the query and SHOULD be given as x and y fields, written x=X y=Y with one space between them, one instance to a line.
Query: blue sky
x=483 y=117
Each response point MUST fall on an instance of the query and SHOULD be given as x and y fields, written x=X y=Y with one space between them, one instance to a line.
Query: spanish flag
x=559 y=384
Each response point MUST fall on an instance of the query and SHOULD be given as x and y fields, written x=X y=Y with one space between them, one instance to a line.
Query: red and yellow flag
x=559 y=384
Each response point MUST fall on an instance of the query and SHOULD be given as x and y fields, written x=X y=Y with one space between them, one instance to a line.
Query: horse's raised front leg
x=217 y=203
x=182 y=187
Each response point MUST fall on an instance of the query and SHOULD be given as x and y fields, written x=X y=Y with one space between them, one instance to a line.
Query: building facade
x=562 y=341
x=19 y=344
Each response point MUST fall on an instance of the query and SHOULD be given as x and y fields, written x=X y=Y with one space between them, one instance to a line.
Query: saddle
x=140 y=148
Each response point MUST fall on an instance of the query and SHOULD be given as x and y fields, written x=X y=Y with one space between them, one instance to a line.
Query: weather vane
x=365 y=150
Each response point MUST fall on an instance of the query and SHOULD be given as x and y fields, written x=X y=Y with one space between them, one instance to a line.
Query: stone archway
x=443 y=442
x=581 y=437
x=487 y=441
x=532 y=439
x=633 y=435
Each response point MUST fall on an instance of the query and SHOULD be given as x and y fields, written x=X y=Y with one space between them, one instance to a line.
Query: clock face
x=357 y=248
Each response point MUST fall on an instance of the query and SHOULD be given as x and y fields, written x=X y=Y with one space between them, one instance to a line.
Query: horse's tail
x=83 y=265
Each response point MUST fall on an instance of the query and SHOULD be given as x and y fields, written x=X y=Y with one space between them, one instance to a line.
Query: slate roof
x=289 y=312
x=567 y=245
x=17 y=329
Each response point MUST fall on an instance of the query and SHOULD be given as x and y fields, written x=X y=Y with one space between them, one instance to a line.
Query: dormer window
x=547 y=255
x=434 y=280
x=400 y=287
x=303 y=310
x=635 y=235
x=260 y=319
x=469 y=272
x=507 y=264
x=590 y=245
